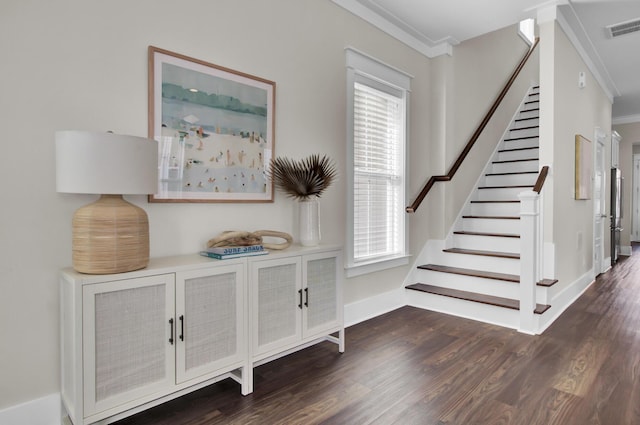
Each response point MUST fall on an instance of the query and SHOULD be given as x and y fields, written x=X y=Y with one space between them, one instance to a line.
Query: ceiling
x=434 y=26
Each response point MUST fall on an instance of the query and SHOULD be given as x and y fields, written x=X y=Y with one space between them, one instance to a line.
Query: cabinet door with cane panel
x=276 y=299
x=322 y=295
x=127 y=328
x=210 y=324
x=295 y=300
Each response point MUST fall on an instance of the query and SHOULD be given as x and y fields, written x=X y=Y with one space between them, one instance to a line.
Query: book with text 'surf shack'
x=232 y=255
x=228 y=250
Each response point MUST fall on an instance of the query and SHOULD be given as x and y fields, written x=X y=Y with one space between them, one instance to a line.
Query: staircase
x=476 y=274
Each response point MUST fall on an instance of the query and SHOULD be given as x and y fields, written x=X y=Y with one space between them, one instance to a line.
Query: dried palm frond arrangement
x=305 y=178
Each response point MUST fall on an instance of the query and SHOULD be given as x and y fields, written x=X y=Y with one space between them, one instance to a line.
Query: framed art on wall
x=215 y=130
x=584 y=167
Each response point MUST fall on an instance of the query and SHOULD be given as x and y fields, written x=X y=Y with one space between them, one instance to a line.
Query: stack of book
x=225 y=252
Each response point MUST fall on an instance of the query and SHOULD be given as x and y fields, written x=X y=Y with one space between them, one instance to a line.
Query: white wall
x=82 y=64
x=569 y=222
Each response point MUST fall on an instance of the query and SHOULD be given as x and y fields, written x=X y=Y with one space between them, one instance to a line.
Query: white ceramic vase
x=309 y=217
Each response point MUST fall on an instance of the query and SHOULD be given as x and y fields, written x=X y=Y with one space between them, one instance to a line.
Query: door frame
x=599 y=208
x=635 y=201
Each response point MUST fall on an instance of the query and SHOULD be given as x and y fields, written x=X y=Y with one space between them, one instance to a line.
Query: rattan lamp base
x=110 y=235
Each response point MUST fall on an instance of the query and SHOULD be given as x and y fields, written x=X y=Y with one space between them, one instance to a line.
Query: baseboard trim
x=565 y=298
x=42 y=411
x=48 y=411
x=371 y=307
x=625 y=250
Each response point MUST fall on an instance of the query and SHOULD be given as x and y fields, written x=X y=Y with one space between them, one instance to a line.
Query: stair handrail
x=427 y=187
x=542 y=176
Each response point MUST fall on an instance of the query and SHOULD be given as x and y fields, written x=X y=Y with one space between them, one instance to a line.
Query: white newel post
x=529 y=241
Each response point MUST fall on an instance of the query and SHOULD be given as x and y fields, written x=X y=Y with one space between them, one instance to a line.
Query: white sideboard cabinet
x=296 y=301
x=133 y=340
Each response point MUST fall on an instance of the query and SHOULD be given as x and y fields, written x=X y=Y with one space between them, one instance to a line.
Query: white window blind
x=378 y=192
x=377 y=133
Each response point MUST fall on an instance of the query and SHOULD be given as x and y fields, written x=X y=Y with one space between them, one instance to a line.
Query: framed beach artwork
x=584 y=167
x=215 y=130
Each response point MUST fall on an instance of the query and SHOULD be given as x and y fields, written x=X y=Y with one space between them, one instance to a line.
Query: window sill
x=376 y=266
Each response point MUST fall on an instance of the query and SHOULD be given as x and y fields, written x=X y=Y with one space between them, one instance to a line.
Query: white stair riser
x=522 y=143
x=524 y=132
x=510 y=209
x=531 y=104
x=487 y=243
x=500 y=194
x=479 y=285
x=529 y=114
x=542 y=295
x=534 y=96
x=482 y=312
x=491 y=225
x=510 y=179
x=480 y=262
x=513 y=154
x=462 y=308
x=498 y=288
x=526 y=123
x=514 y=167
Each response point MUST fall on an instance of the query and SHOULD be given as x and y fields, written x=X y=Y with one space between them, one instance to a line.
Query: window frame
x=366 y=70
x=526 y=30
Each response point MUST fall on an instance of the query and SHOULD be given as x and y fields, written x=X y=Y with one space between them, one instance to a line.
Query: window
x=378 y=98
x=526 y=30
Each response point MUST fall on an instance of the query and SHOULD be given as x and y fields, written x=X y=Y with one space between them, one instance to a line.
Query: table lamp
x=110 y=235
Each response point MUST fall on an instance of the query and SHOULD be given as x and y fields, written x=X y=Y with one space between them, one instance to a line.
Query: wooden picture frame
x=583 y=168
x=215 y=130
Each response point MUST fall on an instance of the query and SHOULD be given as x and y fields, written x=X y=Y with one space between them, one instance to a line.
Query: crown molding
x=627 y=119
x=430 y=50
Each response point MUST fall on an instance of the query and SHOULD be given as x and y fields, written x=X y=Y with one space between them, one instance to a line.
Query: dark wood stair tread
x=518 y=149
x=530 y=110
x=481 y=273
x=524 y=128
x=495 y=202
x=472 y=296
x=493 y=217
x=547 y=282
x=483 y=253
x=505 y=186
x=521 y=138
x=512 y=173
x=525 y=119
x=499 y=235
x=515 y=160
x=470 y=272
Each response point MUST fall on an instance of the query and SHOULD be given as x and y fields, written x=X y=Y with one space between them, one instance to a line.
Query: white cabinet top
x=177 y=263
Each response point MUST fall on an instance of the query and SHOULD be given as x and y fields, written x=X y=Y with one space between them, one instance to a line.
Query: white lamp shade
x=105 y=163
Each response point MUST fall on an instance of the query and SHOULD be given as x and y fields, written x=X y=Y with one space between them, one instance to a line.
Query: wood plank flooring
x=412 y=366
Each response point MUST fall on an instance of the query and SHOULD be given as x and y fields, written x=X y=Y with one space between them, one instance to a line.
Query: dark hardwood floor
x=417 y=367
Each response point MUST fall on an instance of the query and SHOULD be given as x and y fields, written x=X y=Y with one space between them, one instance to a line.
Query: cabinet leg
x=247 y=380
x=341 y=339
